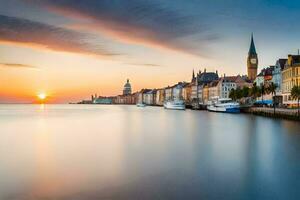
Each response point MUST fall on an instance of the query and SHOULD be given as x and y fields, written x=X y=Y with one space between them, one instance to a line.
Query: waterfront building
x=268 y=76
x=103 y=100
x=227 y=83
x=200 y=93
x=213 y=90
x=252 y=61
x=178 y=90
x=221 y=88
x=141 y=95
x=265 y=76
x=126 y=99
x=168 y=93
x=290 y=78
x=207 y=77
x=243 y=81
x=194 y=91
x=260 y=78
x=187 y=93
x=205 y=95
x=127 y=88
x=199 y=88
x=150 y=97
x=85 y=102
x=277 y=76
x=160 y=97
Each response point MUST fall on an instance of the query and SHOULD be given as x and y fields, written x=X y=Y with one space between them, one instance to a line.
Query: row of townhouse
x=221 y=88
x=125 y=99
x=207 y=86
x=158 y=96
x=284 y=74
x=203 y=88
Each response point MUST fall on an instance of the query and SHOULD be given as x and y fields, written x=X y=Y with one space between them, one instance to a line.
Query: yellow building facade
x=290 y=78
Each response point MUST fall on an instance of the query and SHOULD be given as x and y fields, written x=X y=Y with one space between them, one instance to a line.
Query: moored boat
x=141 y=105
x=225 y=105
x=174 y=105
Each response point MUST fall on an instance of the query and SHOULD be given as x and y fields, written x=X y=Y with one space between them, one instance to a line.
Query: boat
x=225 y=105
x=141 y=105
x=174 y=105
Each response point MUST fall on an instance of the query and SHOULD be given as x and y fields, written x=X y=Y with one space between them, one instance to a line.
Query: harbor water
x=89 y=152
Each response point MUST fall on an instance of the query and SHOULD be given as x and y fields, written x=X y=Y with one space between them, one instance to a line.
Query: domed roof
x=127 y=88
x=127 y=84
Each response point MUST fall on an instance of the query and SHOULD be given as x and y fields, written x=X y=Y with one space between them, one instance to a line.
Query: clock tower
x=252 y=61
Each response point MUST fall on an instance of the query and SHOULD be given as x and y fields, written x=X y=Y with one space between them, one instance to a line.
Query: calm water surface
x=87 y=152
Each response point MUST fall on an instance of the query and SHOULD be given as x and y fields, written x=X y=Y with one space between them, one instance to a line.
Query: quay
x=282 y=113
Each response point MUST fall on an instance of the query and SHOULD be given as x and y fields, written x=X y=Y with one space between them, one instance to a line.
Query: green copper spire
x=252 y=50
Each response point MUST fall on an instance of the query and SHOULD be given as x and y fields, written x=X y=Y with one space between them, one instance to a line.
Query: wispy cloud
x=144 y=64
x=139 y=21
x=36 y=34
x=17 y=65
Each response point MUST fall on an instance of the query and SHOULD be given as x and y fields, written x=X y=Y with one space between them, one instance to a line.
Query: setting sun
x=42 y=96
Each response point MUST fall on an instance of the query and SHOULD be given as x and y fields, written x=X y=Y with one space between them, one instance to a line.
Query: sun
x=42 y=96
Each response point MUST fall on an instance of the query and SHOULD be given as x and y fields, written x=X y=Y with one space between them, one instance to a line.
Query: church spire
x=252 y=50
x=193 y=74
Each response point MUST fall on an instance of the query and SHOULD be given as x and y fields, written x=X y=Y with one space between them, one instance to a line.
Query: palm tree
x=295 y=94
x=272 y=89
x=262 y=92
x=254 y=91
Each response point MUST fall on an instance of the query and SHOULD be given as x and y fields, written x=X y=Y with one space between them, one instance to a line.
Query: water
x=87 y=152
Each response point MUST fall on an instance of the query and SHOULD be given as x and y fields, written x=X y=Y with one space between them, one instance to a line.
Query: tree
x=255 y=91
x=262 y=92
x=272 y=89
x=295 y=94
x=232 y=94
x=239 y=93
x=245 y=91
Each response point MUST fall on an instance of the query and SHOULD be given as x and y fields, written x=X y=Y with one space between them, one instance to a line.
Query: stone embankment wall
x=269 y=112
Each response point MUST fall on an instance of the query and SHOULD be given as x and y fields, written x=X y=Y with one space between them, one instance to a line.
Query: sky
x=71 y=49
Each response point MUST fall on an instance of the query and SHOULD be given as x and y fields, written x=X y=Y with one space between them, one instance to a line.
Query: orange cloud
x=135 y=22
x=43 y=36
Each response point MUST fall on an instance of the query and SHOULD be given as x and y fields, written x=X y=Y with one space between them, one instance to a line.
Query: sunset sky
x=70 y=49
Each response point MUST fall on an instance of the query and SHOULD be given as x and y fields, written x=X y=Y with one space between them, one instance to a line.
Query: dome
x=127 y=88
x=127 y=84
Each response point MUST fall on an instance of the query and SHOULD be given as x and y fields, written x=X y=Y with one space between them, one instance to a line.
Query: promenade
x=269 y=112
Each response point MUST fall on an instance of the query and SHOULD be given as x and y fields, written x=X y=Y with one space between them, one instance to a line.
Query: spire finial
x=252 y=49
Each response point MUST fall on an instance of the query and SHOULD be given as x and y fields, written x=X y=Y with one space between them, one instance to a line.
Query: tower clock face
x=253 y=61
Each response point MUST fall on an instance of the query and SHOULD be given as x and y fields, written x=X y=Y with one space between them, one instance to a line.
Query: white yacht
x=174 y=105
x=141 y=105
x=224 y=105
